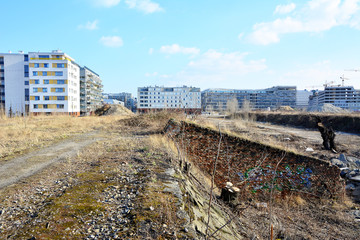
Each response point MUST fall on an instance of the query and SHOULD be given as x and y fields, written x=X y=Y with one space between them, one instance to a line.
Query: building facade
x=273 y=98
x=184 y=98
x=127 y=98
x=42 y=82
x=14 y=83
x=345 y=97
x=90 y=91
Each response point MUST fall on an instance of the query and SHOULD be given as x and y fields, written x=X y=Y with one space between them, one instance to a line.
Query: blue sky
x=208 y=44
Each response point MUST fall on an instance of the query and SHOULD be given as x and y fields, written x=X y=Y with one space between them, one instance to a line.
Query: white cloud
x=214 y=68
x=89 y=25
x=315 y=16
x=284 y=9
x=154 y=74
x=146 y=6
x=176 y=48
x=111 y=41
x=106 y=3
x=151 y=51
x=240 y=36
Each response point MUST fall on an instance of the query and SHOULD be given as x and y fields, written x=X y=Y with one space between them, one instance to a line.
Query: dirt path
x=13 y=170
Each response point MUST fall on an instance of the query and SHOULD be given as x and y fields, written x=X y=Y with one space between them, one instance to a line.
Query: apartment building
x=90 y=91
x=54 y=83
x=273 y=98
x=14 y=83
x=46 y=82
x=184 y=98
x=345 y=97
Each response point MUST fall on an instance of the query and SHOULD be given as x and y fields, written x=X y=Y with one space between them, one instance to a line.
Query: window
x=60 y=106
x=43 y=56
x=59 y=73
x=36 y=106
x=35 y=90
x=37 y=98
x=46 y=98
x=46 y=65
x=45 y=106
x=44 y=89
x=35 y=73
x=36 y=65
x=26 y=83
x=60 y=65
x=59 y=89
x=44 y=73
x=36 y=81
x=26 y=58
x=46 y=81
x=61 y=98
x=60 y=81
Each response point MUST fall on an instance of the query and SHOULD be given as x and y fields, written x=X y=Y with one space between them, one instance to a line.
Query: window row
x=49 y=98
x=46 y=65
x=47 y=106
x=46 y=90
x=48 y=81
x=49 y=73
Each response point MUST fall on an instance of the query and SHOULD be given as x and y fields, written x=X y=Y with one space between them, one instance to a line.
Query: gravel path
x=13 y=170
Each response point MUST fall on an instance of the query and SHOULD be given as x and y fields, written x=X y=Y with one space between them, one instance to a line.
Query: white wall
x=14 y=83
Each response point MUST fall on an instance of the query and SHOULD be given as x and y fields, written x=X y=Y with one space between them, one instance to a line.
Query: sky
x=235 y=44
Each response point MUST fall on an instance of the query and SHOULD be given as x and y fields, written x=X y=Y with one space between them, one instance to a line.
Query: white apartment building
x=54 y=83
x=184 y=98
x=14 y=83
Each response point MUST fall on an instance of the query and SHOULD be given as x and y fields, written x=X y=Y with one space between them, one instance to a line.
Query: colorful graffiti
x=267 y=178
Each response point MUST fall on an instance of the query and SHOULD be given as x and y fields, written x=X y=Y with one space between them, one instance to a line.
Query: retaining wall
x=253 y=167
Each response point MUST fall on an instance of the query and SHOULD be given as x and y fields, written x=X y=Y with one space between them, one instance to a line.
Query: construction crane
x=343 y=78
x=326 y=84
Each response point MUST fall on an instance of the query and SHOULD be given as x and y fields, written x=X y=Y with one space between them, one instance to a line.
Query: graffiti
x=267 y=178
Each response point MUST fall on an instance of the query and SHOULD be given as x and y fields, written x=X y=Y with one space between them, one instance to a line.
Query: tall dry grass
x=21 y=134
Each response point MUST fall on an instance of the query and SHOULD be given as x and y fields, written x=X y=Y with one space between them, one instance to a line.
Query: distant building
x=126 y=98
x=345 y=97
x=302 y=99
x=184 y=98
x=90 y=91
x=273 y=98
x=14 y=83
x=113 y=101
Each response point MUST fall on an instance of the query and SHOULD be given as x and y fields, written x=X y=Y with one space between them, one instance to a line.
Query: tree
x=232 y=106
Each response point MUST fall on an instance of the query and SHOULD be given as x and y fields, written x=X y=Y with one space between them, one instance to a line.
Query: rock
x=344 y=171
x=350 y=186
x=151 y=208
x=309 y=149
x=355 y=161
x=355 y=178
x=338 y=163
x=356 y=192
x=342 y=158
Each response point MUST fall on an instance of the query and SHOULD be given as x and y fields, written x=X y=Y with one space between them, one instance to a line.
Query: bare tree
x=232 y=107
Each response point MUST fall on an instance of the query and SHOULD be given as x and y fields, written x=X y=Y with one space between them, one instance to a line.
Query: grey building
x=127 y=98
x=216 y=99
x=90 y=91
x=345 y=97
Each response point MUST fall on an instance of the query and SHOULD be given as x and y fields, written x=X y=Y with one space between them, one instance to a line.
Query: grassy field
x=23 y=134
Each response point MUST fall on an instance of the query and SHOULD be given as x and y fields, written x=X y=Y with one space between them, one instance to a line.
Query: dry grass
x=21 y=134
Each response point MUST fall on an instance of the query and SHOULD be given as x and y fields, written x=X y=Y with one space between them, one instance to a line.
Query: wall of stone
x=253 y=167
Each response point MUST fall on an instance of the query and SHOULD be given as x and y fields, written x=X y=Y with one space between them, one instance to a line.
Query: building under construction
x=345 y=97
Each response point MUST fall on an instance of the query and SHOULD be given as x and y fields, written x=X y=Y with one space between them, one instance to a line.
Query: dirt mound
x=327 y=107
x=117 y=110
